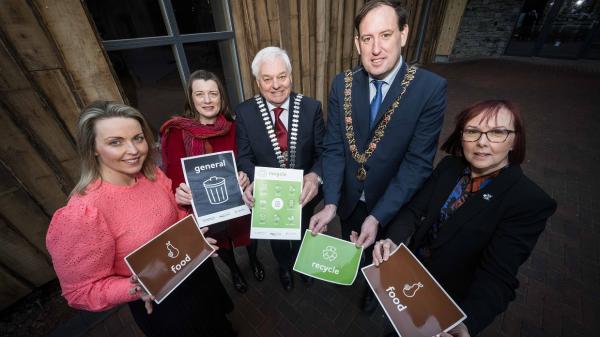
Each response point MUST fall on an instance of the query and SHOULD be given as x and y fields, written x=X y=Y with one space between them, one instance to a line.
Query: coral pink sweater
x=90 y=236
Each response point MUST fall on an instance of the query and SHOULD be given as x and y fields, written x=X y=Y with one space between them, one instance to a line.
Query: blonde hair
x=86 y=140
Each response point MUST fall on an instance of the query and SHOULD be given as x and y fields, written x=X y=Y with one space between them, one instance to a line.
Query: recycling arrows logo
x=330 y=253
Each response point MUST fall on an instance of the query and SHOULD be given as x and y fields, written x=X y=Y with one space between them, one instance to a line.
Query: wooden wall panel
x=28 y=36
x=295 y=46
x=82 y=54
x=56 y=89
x=51 y=64
x=11 y=76
x=321 y=46
x=32 y=170
x=22 y=258
x=19 y=209
x=317 y=35
x=305 y=65
x=238 y=14
x=46 y=132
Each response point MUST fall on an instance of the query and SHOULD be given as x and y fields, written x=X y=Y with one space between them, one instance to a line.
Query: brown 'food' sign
x=414 y=302
x=165 y=261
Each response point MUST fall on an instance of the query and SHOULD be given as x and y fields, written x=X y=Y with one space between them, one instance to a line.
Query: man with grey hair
x=297 y=141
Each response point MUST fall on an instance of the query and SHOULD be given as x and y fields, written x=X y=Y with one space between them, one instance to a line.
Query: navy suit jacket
x=254 y=146
x=481 y=246
x=403 y=158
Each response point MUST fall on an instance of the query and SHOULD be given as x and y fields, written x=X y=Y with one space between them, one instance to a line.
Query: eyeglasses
x=494 y=135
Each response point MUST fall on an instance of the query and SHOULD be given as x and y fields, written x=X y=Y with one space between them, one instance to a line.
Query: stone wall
x=486 y=28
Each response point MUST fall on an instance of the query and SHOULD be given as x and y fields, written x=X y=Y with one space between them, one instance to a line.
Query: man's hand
x=183 y=195
x=382 y=251
x=318 y=222
x=368 y=233
x=247 y=195
x=310 y=188
x=243 y=180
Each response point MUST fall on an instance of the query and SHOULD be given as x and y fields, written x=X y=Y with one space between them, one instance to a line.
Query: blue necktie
x=376 y=102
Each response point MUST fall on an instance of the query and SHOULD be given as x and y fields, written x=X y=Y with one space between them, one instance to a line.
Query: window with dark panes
x=154 y=45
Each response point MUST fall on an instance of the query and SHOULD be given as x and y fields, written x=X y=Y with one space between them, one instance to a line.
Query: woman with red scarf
x=206 y=127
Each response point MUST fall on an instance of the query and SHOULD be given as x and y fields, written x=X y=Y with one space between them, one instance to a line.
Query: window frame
x=176 y=41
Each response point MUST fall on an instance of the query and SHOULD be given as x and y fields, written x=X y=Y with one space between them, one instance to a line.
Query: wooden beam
x=322 y=48
x=56 y=89
x=29 y=167
x=48 y=136
x=242 y=47
x=20 y=256
x=84 y=58
x=22 y=29
x=294 y=51
x=11 y=76
x=22 y=212
x=449 y=28
x=305 y=47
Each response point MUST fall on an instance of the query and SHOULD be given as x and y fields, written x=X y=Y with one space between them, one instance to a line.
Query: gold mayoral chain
x=361 y=158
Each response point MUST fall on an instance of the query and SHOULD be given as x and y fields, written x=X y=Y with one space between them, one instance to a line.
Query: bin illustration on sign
x=216 y=190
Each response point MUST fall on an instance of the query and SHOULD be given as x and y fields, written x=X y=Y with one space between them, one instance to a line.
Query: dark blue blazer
x=481 y=246
x=254 y=146
x=403 y=158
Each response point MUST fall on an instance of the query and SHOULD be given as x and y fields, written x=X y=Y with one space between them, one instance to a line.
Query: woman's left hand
x=211 y=241
x=382 y=251
x=243 y=180
x=144 y=296
x=183 y=195
x=460 y=330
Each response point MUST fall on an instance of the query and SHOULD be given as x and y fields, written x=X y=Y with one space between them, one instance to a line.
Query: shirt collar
x=392 y=75
x=285 y=105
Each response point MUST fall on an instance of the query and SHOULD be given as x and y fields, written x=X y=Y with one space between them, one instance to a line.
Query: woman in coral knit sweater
x=206 y=127
x=120 y=202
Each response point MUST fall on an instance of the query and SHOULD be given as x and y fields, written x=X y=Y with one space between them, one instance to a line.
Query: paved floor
x=560 y=283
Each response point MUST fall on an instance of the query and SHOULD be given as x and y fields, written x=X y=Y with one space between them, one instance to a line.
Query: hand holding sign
x=243 y=180
x=144 y=296
x=183 y=195
x=382 y=251
x=164 y=262
x=310 y=188
x=328 y=259
x=412 y=299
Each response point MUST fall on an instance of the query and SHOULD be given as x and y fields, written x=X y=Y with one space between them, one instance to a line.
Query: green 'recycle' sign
x=328 y=259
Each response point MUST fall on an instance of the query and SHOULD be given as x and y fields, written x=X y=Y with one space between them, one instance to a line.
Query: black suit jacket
x=255 y=149
x=404 y=157
x=480 y=248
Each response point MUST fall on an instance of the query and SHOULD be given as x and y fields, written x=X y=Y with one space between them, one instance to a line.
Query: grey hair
x=269 y=53
x=86 y=140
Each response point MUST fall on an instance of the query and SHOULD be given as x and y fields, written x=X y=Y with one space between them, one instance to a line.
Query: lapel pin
x=487 y=197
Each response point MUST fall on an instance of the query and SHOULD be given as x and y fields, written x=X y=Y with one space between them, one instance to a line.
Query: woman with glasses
x=206 y=127
x=478 y=217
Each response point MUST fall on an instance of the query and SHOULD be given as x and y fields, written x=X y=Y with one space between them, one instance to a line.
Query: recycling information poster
x=277 y=213
x=165 y=261
x=328 y=259
x=412 y=299
x=216 y=193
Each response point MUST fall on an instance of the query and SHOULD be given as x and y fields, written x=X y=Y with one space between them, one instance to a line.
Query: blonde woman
x=121 y=201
